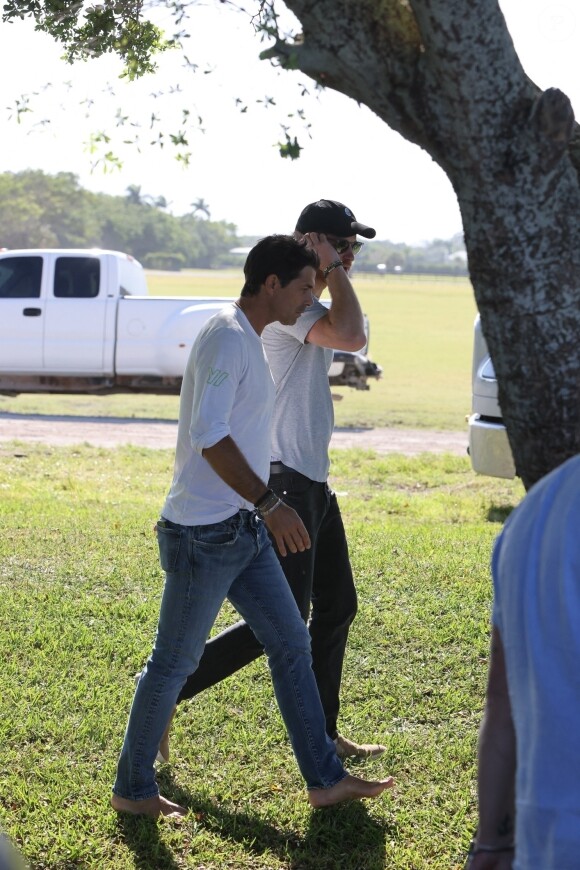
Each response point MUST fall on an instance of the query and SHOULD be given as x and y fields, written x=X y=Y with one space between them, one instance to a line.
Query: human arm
x=285 y=525
x=496 y=770
x=342 y=326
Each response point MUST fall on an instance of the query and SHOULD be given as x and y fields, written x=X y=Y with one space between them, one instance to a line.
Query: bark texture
x=445 y=74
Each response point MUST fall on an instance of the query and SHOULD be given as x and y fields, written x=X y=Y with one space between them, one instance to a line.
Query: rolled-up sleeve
x=218 y=365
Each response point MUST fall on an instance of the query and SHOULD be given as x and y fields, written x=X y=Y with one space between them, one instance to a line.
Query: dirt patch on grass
x=115 y=431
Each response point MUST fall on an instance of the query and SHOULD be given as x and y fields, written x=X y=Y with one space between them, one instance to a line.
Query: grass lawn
x=80 y=587
x=421 y=334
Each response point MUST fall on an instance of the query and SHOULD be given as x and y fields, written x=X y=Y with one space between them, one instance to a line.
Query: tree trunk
x=444 y=74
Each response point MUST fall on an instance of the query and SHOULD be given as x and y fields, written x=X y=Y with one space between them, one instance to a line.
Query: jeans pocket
x=223 y=534
x=169 y=541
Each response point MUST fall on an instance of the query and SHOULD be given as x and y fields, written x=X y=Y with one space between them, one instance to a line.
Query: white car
x=489 y=447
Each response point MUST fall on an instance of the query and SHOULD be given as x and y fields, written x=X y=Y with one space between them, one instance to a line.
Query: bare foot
x=153 y=807
x=346 y=748
x=348 y=789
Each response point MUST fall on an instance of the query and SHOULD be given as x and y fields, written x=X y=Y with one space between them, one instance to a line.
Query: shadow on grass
x=498 y=513
x=141 y=835
x=344 y=837
x=339 y=838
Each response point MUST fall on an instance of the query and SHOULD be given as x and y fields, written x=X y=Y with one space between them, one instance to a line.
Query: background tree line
x=53 y=211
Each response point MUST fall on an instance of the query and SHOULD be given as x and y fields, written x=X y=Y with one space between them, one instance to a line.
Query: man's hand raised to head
x=325 y=249
x=342 y=327
x=288 y=530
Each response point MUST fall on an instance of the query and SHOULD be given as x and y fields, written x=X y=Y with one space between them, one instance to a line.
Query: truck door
x=21 y=313
x=76 y=316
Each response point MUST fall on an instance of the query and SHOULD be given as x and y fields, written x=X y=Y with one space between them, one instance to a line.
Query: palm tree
x=201 y=206
x=134 y=195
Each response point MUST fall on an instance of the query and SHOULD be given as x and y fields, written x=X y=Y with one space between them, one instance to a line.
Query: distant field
x=421 y=335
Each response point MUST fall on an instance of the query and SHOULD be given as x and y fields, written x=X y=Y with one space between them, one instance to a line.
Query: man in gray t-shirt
x=320 y=578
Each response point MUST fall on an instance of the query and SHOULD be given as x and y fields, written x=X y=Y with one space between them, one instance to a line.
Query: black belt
x=280 y=468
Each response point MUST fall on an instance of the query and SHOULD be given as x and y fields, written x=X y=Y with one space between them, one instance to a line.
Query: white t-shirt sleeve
x=219 y=363
x=298 y=330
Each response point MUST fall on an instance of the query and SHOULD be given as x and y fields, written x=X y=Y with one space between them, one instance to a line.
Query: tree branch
x=373 y=57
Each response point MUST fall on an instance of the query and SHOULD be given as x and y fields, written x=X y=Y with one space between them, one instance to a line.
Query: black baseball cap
x=329 y=216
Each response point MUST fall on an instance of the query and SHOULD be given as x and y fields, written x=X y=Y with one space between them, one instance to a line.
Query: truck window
x=20 y=277
x=77 y=277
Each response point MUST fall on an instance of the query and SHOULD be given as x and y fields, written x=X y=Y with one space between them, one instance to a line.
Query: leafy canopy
x=136 y=33
x=88 y=31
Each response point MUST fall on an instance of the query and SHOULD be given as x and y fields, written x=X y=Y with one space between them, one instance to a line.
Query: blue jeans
x=322 y=584
x=203 y=565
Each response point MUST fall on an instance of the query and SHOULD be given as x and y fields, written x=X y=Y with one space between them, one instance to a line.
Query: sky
x=349 y=154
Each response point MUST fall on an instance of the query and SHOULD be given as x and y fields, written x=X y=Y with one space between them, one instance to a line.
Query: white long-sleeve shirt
x=227 y=389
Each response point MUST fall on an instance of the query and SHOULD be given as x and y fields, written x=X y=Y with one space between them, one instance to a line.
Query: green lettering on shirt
x=216 y=377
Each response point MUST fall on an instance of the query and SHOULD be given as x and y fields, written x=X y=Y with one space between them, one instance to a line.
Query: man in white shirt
x=214 y=542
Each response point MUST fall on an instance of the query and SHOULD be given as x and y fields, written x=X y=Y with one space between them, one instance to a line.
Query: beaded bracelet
x=265 y=500
x=333 y=265
x=266 y=513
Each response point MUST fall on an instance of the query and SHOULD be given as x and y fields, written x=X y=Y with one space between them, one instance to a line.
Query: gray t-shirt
x=303 y=414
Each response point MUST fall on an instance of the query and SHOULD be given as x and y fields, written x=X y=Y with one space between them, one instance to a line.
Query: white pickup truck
x=489 y=448
x=81 y=321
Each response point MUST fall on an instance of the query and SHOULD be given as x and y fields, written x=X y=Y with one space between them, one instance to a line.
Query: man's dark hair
x=278 y=255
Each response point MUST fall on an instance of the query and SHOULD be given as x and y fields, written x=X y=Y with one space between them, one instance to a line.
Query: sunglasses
x=342 y=245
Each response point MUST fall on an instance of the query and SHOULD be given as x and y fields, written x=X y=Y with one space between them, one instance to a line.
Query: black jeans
x=322 y=583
